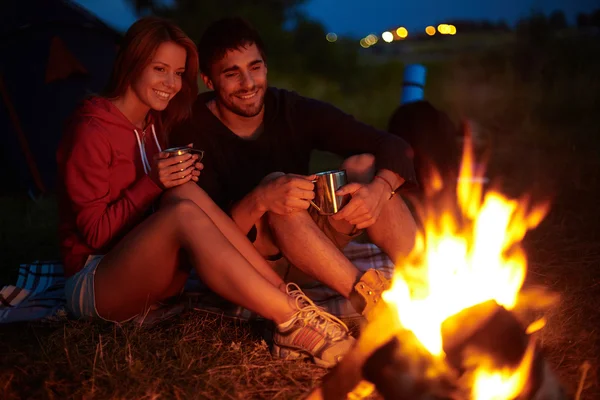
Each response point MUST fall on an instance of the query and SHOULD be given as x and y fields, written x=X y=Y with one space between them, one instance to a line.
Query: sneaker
x=311 y=333
x=367 y=292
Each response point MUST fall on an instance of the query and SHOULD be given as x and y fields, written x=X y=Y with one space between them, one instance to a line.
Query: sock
x=285 y=324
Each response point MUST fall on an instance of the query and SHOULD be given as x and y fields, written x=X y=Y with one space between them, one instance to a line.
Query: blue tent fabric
x=27 y=29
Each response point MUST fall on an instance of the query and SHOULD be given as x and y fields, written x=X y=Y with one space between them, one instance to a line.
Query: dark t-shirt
x=293 y=127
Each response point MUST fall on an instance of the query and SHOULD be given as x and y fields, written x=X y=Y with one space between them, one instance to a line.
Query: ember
x=446 y=330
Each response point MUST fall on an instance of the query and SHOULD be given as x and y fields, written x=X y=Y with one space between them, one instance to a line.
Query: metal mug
x=326 y=202
x=179 y=151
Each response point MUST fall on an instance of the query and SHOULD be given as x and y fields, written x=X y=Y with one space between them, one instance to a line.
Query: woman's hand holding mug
x=176 y=166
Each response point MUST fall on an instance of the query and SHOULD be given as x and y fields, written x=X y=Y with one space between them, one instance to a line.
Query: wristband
x=392 y=191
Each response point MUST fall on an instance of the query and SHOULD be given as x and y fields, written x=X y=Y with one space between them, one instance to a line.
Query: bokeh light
x=371 y=39
x=402 y=32
x=387 y=36
x=443 y=28
x=331 y=37
x=363 y=43
x=452 y=30
x=430 y=30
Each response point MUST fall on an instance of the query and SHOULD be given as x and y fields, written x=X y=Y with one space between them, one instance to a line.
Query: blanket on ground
x=39 y=293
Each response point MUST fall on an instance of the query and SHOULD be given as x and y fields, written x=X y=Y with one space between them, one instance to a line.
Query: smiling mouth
x=247 y=96
x=162 y=95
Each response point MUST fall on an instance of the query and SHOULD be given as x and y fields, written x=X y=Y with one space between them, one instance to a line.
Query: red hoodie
x=103 y=188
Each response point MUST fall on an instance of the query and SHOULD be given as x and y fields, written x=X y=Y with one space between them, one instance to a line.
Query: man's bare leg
x=311 y=251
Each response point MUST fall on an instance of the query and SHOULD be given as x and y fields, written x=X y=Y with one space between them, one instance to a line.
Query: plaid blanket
x=39 y=292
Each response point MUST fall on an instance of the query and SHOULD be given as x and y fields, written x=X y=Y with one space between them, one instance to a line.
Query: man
x=257 y=141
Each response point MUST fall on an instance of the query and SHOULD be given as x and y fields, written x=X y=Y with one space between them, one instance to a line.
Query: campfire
x=448 y=327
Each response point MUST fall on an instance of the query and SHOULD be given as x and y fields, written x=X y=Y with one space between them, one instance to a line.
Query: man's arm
x=279 y=193
x=333 y=130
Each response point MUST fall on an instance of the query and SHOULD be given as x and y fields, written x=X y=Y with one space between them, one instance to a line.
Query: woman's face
x=161 y=79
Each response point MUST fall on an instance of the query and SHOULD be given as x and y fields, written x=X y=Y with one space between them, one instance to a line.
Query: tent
x=54 y=53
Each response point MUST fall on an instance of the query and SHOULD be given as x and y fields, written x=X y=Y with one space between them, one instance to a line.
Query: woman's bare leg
x=191 y=191
x=141 y=269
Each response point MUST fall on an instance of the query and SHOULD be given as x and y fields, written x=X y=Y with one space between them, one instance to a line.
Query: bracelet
x=393 y=192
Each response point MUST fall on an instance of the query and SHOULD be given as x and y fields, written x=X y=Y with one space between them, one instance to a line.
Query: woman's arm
x=85 y=163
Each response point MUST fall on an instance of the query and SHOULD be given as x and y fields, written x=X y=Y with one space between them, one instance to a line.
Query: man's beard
x=249 y=111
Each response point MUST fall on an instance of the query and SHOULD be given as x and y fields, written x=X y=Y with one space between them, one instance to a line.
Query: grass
x=194 y=355
x=541 y=135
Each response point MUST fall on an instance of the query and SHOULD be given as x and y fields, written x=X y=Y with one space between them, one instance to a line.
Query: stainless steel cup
x=178 y=151
x=326 y=184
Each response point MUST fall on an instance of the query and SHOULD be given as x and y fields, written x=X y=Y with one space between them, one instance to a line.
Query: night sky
x=361 y=17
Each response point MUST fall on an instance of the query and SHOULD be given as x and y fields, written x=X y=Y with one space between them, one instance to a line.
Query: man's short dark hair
x=232 y=33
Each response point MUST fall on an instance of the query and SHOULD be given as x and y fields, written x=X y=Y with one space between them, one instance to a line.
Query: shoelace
x=315 y=315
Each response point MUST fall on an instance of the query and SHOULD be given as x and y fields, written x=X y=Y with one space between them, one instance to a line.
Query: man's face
x=240 y=81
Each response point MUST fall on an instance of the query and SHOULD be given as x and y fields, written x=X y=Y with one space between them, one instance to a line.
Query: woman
x=120 y=258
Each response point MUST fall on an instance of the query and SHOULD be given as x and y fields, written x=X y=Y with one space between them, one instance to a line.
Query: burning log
x=397 y=374
x=401 y=369
x=488 y=333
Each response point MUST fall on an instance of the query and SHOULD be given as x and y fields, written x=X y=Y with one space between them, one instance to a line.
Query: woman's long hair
x=135 y=53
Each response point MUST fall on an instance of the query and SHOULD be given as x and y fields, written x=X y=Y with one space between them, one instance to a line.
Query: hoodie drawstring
x=145 y=162
x=155 y=139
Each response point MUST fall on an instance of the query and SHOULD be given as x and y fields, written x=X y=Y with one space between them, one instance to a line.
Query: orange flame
x=490 y=383
x=467 y=253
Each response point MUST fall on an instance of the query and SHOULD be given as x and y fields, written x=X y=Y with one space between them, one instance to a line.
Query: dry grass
x=195 y=355
x=565 y=256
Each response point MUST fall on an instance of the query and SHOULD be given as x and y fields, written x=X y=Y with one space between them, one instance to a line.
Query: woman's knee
x=360 y=168
x=184 y=211
x=189 y=191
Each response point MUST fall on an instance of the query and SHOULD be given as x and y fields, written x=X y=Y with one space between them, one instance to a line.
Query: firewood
x=394 y=361
x=488 y=329
x=403 y=370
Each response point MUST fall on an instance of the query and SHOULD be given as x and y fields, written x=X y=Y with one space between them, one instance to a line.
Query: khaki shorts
x=340 y=239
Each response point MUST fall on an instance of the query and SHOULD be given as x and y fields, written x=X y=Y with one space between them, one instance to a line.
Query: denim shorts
x=79 y=290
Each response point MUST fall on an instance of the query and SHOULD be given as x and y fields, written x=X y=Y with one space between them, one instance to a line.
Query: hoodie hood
x=105 y=111
x=107 y=114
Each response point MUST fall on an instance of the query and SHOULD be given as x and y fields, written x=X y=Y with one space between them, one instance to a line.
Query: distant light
x=430 y=30
x=371 y=39
x=331 y=37
x=443 y=29
x=402 y=32
x=363 y=43
x=387 y=36
x=452 y=30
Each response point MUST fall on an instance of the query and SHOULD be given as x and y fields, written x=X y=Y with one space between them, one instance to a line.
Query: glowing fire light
x=490 y=383
x=465 y=256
